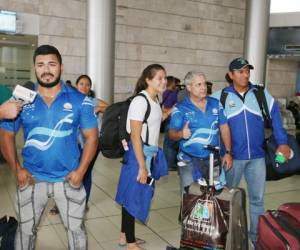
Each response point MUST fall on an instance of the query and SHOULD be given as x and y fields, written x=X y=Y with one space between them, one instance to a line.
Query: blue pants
x=255 y=176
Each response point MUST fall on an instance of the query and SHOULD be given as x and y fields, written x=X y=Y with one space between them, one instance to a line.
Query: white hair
x=190 y=75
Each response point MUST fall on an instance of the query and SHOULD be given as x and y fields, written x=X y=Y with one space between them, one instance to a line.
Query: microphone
x=25 y=93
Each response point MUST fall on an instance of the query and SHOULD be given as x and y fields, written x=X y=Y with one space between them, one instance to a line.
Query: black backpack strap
x=122 y=119
x=146 y=116
x=223 y=97
x=263 y=105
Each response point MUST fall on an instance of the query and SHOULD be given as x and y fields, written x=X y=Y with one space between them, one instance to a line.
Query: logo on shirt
x=48 y=134
x=214 y=111
x=190 y=115
x=29 y=107
x=231 y=104
x=68 y=107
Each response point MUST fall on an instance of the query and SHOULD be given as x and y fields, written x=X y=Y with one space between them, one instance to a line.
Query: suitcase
x=232 y=203
x=282 y=226
x=292 y=208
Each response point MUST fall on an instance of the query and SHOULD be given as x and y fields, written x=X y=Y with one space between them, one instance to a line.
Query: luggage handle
x=212 y=150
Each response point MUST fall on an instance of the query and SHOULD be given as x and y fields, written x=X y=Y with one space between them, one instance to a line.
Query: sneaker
x=181 y=163
x=218 y=185
x=202 y=182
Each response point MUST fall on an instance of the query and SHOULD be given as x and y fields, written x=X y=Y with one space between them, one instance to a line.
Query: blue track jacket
x=247 y=125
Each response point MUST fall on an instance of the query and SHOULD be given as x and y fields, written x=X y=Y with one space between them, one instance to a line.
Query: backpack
x=261 y=100
x=273 y=172
x=8 y=228
x=113 y=128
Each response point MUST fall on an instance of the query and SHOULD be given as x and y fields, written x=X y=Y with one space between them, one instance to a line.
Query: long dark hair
x=91 y=93
x=148 y=73
x=84 y=76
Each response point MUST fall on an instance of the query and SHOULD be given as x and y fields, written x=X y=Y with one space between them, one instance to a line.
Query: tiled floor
x=103 y=217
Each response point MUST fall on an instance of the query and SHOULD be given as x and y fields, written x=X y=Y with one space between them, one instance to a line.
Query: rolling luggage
x=282 y=226
x=214 y=219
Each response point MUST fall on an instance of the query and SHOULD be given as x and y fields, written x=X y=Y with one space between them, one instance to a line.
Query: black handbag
x=277 y=171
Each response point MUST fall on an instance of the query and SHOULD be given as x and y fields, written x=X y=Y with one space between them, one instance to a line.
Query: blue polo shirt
x=51 y=151
x=204 y=126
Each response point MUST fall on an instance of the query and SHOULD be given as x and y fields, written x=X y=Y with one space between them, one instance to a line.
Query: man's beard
x=50 y=84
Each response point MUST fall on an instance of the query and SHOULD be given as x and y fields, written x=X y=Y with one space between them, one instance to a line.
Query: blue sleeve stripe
x=271 y=106
x=88 y=103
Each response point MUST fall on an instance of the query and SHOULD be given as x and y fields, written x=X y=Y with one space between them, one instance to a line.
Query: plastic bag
x=204 y=221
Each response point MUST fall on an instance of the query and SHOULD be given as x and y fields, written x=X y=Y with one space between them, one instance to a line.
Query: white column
x=101 y=46
x=256 y=37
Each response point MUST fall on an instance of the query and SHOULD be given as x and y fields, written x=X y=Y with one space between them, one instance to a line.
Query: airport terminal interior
x=182 y=35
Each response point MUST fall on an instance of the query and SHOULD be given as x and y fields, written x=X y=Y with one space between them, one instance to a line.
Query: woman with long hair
x=84 y=85
x=135 y=189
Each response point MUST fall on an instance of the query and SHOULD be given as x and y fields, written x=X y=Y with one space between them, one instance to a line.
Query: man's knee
x=76 y=199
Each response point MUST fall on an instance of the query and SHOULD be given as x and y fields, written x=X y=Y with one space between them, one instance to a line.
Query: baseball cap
x=239 y=63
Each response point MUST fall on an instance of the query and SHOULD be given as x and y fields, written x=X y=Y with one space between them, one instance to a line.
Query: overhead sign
x=8 y=21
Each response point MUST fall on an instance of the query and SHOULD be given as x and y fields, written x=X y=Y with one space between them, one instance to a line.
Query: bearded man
x=52 y=166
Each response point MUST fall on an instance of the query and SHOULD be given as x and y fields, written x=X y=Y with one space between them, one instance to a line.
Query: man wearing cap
x=247 y=132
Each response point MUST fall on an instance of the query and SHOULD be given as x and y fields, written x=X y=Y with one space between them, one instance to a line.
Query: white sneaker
x=202 y=182
x=181 y=164
x=218 y=185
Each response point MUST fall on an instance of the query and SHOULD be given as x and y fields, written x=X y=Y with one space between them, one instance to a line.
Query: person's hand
x=142 y=175
x=227 y=161
x=74 y=178
x=285 y=150
x=167 y=112
x=10 y=109
x=186 y=132
x=24 y=178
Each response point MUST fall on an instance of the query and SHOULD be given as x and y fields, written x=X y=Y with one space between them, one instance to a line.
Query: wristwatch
x=228 y=152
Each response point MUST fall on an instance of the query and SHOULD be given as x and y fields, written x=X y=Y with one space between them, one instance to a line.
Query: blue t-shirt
x=204 y=126
x=51 y=151
x=95 y=101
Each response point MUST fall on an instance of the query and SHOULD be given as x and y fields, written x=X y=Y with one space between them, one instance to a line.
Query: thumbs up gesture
x=186 y=132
